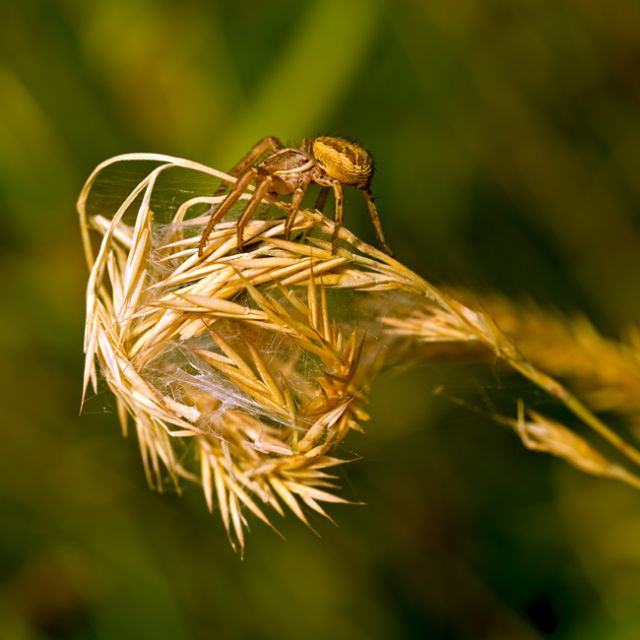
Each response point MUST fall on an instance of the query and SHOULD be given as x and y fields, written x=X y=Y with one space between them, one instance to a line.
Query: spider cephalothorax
x=326 y=161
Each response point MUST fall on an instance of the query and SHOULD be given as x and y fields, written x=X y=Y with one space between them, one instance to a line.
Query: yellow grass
x=243 y=371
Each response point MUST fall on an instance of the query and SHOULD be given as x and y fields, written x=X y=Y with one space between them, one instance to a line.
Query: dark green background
x=507 y=141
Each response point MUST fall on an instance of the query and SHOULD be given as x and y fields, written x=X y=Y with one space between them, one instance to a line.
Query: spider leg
x=322 y=199
x=262 y=188
x=296 y=200
x=326 y=183
x=270 y=143
x=337 y=192
x=373 y=212
x=238 y=188
x=305 y=145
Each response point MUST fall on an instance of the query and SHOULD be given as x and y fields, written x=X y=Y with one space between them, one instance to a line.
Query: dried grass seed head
x=244 y=370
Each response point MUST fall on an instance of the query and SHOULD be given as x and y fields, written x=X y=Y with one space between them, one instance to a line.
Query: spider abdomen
x=343 y=160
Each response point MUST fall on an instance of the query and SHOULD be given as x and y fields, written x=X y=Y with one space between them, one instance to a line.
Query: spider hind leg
x=296 y=201
x=375 y=218
x=321 y=200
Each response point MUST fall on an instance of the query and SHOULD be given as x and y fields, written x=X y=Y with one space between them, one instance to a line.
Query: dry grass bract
x=244 y=371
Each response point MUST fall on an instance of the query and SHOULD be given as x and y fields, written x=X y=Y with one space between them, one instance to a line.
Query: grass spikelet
x=244 y=370
x=542 y=434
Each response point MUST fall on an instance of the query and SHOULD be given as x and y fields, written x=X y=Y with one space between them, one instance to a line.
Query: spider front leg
x=268 y=144
x=262 y=189
x=239 y=187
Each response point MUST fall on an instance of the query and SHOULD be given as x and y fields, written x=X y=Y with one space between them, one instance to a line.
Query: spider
x=326 y=161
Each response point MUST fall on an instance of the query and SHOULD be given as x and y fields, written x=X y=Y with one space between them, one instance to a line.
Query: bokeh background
x=507 y=141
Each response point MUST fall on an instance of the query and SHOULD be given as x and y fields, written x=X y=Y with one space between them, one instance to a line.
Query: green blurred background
x=507 y=141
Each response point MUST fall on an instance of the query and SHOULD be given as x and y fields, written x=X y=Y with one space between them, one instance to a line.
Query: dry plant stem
x=486 y=331
x=606 y=372
x=260 y=359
